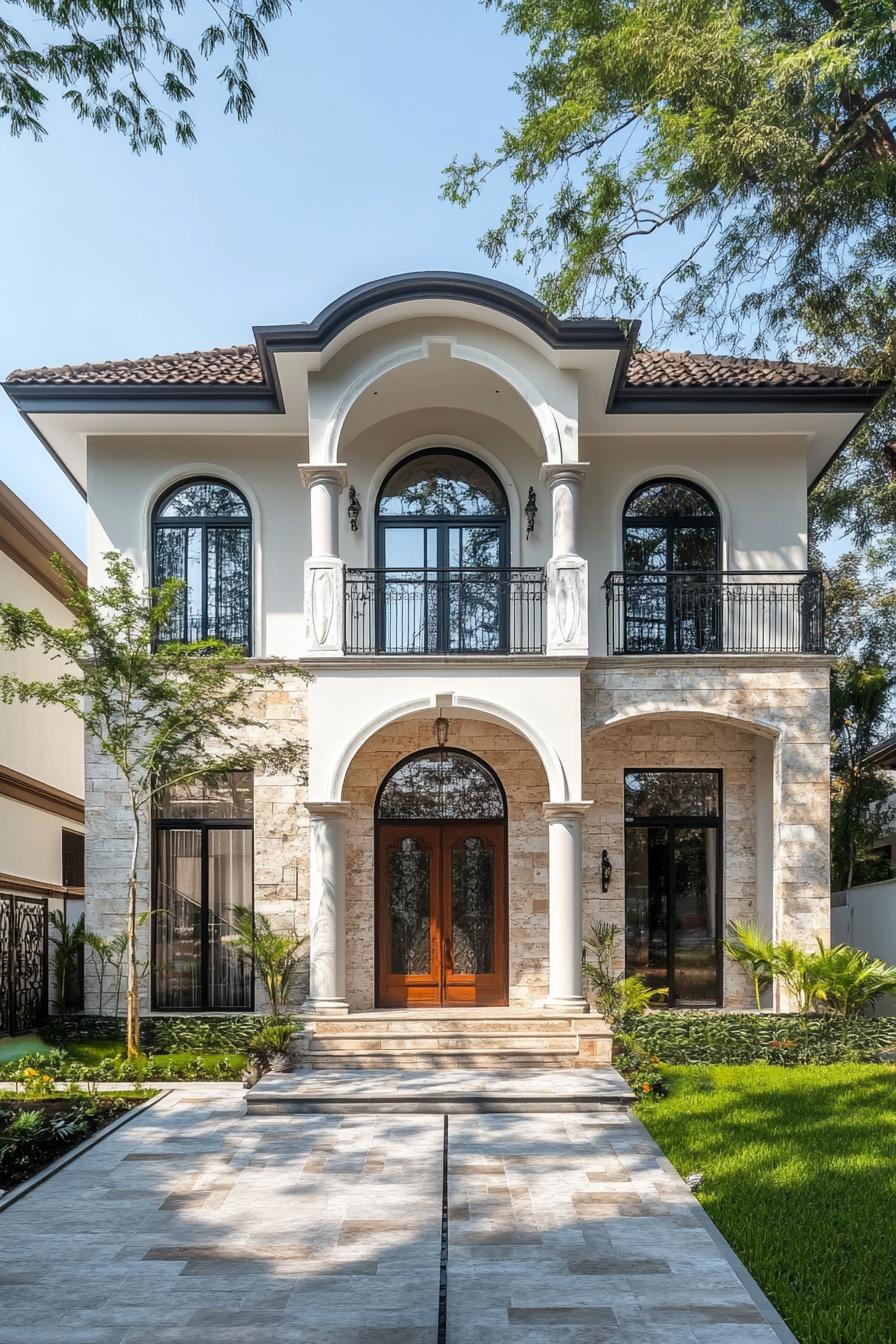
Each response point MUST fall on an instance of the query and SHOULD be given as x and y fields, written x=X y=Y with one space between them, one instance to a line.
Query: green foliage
x=65 y=949
x=618 y=998
x=777 y=174
x=682 y=1036
x=163 y=713
x=850 y=979
x=121 y=67
x=861 y=695
x=751 y=946
x=274 y=1038
x=217 y=1034
x=275 y=952
x=91 y=1064
x=799 y=1174
x=640 y=1070
x=34 y=1133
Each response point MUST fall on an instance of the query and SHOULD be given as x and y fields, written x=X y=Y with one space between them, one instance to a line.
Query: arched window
x=442 y=547
x=671 y=558
x=202 y=534
x=440 y=785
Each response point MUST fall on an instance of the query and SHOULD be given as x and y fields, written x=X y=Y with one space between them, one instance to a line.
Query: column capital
x=334 y=810
x=569 y=472
x=565 y=811
x=323 y=473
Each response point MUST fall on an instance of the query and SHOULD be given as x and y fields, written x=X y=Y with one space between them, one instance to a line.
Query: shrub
x=161 y=1035
x=640 y=1070
x=695 y=1036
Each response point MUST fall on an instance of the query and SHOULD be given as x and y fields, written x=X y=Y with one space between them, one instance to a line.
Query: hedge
x=159 y=1035
x=695 y=1036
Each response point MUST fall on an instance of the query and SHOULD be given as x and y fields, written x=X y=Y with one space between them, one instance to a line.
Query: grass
x=799 y=1168
x=92 y=1052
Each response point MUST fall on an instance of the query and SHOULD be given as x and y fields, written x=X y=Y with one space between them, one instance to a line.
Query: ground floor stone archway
x=517 y=767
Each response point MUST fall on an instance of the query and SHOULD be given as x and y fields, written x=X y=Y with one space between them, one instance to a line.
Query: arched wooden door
x=441 y=883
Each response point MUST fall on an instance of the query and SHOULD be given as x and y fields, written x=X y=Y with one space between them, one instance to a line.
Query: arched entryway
x=441 y=883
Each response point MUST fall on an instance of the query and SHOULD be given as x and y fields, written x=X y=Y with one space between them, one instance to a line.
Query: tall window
x=442 y=533
x=203 y=871
x=202 y=534
x=673 y=882
x=670 y=552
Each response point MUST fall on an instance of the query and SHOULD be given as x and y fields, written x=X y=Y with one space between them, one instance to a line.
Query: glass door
x=673 y=883
x=473 y=914
x=409 y=952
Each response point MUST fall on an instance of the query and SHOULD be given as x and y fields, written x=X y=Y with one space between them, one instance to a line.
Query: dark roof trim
x=41 y=398
x=27 y=540
x=558 y=332
x=749 y=400
x=883 y=755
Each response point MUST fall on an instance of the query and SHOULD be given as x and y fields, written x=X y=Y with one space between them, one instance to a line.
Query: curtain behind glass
x=229 y=886
x=178 y=919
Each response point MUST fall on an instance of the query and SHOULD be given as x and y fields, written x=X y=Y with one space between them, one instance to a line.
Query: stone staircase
x=454 y=1038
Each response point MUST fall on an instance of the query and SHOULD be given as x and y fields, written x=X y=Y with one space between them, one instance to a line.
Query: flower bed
x=36 y=1130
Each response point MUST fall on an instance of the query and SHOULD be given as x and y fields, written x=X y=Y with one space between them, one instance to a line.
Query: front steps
x=454 y=1038
x=458 y=1091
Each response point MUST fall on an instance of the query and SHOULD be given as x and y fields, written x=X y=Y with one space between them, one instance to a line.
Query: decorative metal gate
x=23 y=963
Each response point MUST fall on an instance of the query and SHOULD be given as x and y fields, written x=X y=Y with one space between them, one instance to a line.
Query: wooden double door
x=441 y=914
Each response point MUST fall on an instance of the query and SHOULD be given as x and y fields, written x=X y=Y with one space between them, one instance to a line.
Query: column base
x=324 y=1007
x=570 y=1005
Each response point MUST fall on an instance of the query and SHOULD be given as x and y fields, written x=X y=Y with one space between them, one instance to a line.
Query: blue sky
x=334 y=181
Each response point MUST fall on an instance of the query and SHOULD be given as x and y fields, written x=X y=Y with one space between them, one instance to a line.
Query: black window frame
x=441 y=820
x=203 y=824
x=669 y=522
x=205 y=522
x=443 y=573
x=70 y=879
x=683 y=821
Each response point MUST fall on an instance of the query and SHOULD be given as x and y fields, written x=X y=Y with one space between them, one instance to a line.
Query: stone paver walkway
x=194 y=1223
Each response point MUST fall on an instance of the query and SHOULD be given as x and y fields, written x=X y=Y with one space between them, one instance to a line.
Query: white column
x=324 y=571
x=567 y=572
x=565 y=906
x=326 y=916
x=565 y=480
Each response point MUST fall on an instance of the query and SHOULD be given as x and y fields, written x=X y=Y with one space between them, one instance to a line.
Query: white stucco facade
x=564 y=719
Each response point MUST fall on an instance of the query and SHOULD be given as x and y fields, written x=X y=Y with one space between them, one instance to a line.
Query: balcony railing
x=455 y=611
x=725 y=612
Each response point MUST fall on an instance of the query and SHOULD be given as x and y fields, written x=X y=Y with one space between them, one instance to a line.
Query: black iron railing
x=724 y=612
x=431 y=611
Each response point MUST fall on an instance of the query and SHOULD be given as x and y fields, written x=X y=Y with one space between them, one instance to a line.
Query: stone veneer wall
x=654 y=742
x=787 y=699
x=280 y=845
x=522 y=775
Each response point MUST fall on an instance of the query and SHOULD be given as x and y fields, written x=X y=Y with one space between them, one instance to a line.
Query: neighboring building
x=568 y=660
x=41 y=778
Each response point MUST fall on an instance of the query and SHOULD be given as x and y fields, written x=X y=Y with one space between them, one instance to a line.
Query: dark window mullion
x=203 y=923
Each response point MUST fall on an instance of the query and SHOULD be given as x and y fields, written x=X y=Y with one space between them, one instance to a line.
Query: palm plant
x=276 y=954
x=803 y=973
x=616 y=997
x=66 y=946
x=850 y=980
x=752 y=947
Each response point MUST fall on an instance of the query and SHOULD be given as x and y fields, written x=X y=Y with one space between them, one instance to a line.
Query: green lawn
x=799 y=1168
x=94 y=1051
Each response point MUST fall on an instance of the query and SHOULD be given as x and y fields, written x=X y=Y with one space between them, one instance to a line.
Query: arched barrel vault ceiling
x=444 y=383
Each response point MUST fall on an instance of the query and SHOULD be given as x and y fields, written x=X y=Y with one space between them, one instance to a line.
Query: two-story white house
x=569 y=661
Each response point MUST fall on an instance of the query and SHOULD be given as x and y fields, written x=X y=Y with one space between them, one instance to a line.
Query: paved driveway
x=194 y=1223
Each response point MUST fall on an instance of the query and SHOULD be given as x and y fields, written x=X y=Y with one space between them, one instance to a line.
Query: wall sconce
x=530 y=511
x=441 y=727
x=354 y=508
x=606 y=871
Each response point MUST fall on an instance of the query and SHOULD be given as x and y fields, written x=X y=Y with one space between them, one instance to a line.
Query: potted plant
x=273 y=1045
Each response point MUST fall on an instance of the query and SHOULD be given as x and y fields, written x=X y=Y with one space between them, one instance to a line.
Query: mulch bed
x=16 y=1166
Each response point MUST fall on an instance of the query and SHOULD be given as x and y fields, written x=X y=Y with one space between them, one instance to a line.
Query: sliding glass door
x=203 y=873
x=673 y=882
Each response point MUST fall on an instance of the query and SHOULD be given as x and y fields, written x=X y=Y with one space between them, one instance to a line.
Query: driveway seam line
x=442 y=1329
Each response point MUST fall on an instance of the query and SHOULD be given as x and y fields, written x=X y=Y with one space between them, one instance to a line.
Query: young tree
x=122 y=66
x=163 y=713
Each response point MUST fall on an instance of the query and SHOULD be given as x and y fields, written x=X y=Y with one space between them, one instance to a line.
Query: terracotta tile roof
x=238 y=366
x=668 y=368
x=232 y=365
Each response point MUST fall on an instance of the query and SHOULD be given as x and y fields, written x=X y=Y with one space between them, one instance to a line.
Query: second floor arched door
x=442 y=547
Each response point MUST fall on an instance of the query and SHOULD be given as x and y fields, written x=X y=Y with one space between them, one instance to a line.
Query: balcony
x=444 y=611
x=772 y=612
